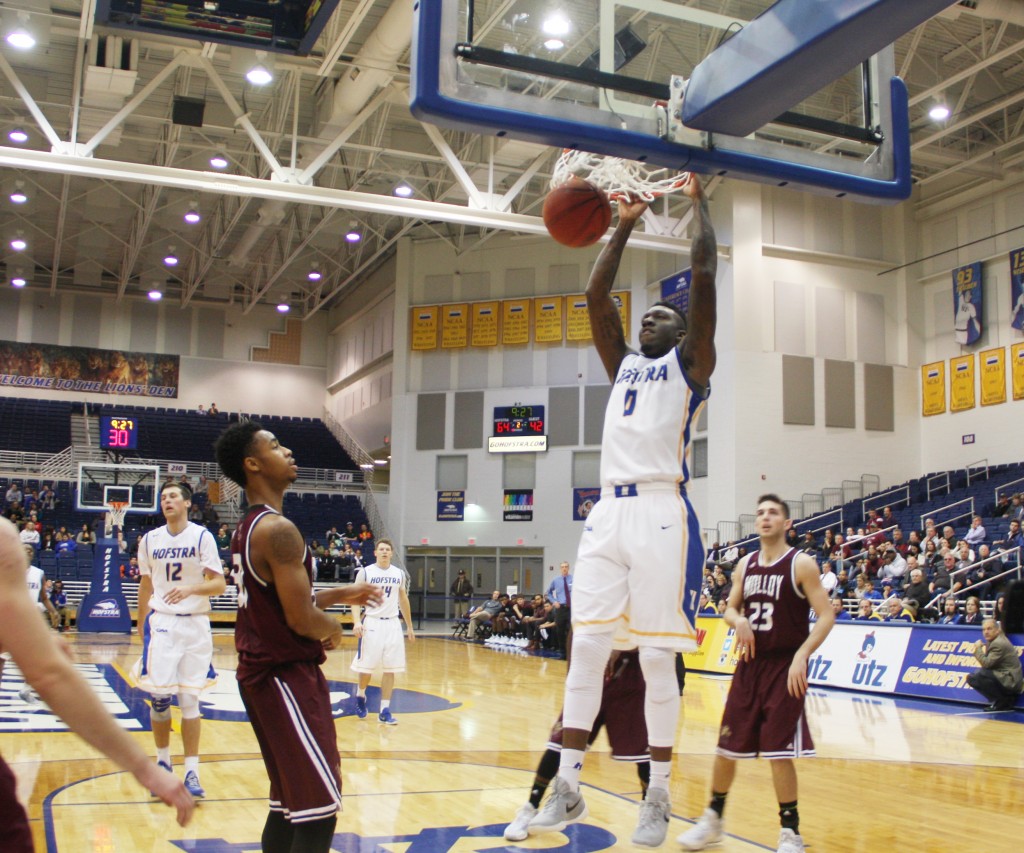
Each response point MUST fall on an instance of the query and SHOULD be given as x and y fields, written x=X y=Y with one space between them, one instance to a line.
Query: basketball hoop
x=620 y=179
x=117 y=510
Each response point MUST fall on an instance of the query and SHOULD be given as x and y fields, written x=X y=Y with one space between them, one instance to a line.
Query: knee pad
x=161 y=710
x=189 y=705
x=585 y=682
x=661 y=706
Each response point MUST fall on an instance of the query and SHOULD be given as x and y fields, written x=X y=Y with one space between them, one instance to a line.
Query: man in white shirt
x=976 y=535
x=29 y=535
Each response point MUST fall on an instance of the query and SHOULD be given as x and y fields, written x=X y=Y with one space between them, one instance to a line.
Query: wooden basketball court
x=473 y=722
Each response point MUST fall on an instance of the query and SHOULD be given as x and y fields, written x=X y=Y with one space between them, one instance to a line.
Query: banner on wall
x=1017 y=289
x=515 y=321
x=547 y=319
x=621 y=300
x=676 y=290
x=583 y=501
x=961 y=383
x=424 y=327
x=455 y=326
x=577 y=318
x=967 y=304
x=1017 y=370
x=518 y=505
x=933 y=388
x=485 y=324
x=94 y=371
x=451 y=505
x=993 y=376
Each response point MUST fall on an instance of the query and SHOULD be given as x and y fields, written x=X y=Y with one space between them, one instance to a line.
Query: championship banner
x=967 y=304
x=621 y=300
x=1017 y=289
x=961 y=383
x=518 y=505
x=583 y=501
x=547 y=319
x=451 y=505
x=933 y=388
x=515 y=321
x=577 y=318
x=676 y=290
x=455 y=326
x=81 y=369
x=1017 y=370
x=485 y=324
x=993 y=376
x=424 y=327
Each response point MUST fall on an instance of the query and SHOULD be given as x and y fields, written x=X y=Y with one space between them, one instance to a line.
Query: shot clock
x=118 y=433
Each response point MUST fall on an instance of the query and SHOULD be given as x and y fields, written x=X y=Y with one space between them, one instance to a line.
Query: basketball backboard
x=614 y=80
x=102 y=483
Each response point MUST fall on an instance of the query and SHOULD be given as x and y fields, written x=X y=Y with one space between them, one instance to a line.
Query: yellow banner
x=1017 y=370
x=961 y=383
x=547 y=322
x=993 y=376
x=515 y=321
x=424 y=327
x=485 y=324
x=933 y=388
x=577 y=318
x=716 y=651
x=621 y=299
x=454 y=326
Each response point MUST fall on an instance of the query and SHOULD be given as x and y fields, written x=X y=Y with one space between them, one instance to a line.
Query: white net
x=116 y=511
x=617 y=177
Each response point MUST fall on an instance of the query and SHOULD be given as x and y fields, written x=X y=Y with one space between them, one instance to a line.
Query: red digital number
x=117 y=437
x=537 y=426
x=501 y=427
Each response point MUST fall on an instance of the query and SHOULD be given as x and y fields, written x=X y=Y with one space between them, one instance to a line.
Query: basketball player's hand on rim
x=631 y=209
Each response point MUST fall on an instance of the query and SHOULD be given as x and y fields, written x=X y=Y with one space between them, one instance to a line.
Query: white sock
x=385 y=704
x=191 y=764
x=569 y=766
x=660 y=772
x=164 y=754
x=361 y=693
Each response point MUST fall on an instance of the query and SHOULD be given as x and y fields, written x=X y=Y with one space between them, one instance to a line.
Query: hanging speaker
x=188 y=111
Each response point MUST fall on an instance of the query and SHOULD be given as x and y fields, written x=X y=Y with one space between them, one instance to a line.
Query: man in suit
x=999 y=679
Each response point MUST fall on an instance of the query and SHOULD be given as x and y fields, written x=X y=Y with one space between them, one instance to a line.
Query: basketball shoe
x=361 y=707
x=519 y=829
x=386 y=718
x=192 y=785
x=707 y=830
x=562 y=807
x=790 y=842
x=652 y=826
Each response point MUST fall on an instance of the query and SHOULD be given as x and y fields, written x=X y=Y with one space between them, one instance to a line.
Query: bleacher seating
x=34 y=426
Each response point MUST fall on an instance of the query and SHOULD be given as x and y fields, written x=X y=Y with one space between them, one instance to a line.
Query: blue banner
x=583 y=501
x=451 y=505
x=1017 y=289
x=967 y=303
x=676 y=290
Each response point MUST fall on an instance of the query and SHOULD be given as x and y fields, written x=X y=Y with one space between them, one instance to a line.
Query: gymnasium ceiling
x=103 y=223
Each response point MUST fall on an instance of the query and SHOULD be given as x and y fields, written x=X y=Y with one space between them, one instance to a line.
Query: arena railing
x=935 y=512
x=876 y=500
x=980 y=466
x=936 y=482
x=969 y=590
x=1005 y=489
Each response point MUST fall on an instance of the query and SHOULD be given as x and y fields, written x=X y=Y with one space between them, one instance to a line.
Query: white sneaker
x=652 y=826
x=562 y=807
x=707 y=830
x=519 y=829
x=790 y=842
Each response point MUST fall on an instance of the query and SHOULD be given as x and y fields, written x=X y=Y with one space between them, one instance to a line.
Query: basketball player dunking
x=773 y=590
x=640 y=557
x=280 y=634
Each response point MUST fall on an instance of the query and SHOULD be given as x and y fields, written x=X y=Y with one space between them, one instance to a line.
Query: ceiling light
x=18 y=135
x=18 y=281
x=556 y=25
x=939 y=112
x=314 y=274
x=283 y=307
x=19 y=244
x=192 y=214
x=554 y=44
x=367 y=466
x=19 y=196
x=171 y=259
x=403 y=191
x=353 y=235
x=20 y=36
x=155 y=295
x=219 y=161
x=260 y=74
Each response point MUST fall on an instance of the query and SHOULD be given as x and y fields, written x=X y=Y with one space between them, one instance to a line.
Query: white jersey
x=178 y=561
x=390 y=580
x=35 y=578
x=648 y=420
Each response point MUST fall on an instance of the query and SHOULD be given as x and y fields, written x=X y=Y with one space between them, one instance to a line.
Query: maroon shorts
x=621 y=714
x=761 y=717
x=290 y=711
x=15 y=835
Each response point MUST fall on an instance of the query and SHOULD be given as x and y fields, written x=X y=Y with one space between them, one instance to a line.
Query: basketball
x=577 y=213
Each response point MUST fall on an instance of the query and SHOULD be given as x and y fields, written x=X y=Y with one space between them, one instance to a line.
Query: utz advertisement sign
x=860 y=655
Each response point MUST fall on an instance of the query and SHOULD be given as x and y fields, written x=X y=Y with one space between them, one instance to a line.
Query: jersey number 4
x=760 y=615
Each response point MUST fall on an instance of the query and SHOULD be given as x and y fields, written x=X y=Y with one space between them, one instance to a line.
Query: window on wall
x=699 y=458
x=586 y=469
x=519 y=470
x=452 y=473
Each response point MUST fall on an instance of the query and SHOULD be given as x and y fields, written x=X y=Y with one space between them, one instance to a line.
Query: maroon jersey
x=775 y=607
x=262 y=635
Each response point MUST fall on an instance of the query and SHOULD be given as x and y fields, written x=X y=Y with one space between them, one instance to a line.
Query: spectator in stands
x=200 y=409
x=1002 y=506
x=999 y=679
x=484 y=614
x=808 y=544
x=15 y=513
x=349 y=534
x=1014 y=539
x=828 y=542
x=793 y=539
x=47 y=539
x=30 y=536
x=976 y=535
x=942 y=580
x=844 y=586
x=47 y=497
x=85 y=536
x=133 y=551
x=901 y=610
x=133 y=573
x=213 y=410
x=720 y=591
x=223 y=538
x=888 y=519
x=829 y=579
x=462 y=592
x=14 y=494
x=59 y=600
x=979 y=573
x=871 y=561
x=840 y=554
x=210 y=515
x=899 y=543
x=950 y=616
x=930 y=557
x=1016 y=511
x=893 y=567
x=919 y=589
x=65 y=544
x=866 y=611
x=331 y=535
x=195 y=514
x=842 y=614
x=949 y=534
x=972 y=611
x=865 y=589
x=202 y=487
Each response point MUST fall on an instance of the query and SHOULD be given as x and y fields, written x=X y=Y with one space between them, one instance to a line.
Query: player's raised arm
x=698 y=346
x=808 y=578
x=605 y=320
x=282 y=548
